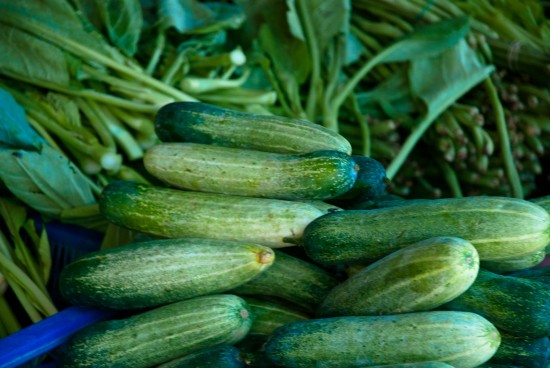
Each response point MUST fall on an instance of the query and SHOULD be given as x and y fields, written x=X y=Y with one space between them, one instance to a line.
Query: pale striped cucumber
x=148 y=274
x=268 y=315
x=420 y=277
x=515 y=264
x=237 y=171
x=204 y=123
x=292 y=279
x=499 y=228
x=461 y=339
x=175 y=213
x=219 y=356
x=159 y=335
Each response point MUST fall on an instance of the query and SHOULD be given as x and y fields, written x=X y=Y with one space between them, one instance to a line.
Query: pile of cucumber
x=271 y=245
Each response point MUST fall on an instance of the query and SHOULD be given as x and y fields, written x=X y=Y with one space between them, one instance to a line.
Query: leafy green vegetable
x=123 y=21
x=15 y=131
x=46 y=181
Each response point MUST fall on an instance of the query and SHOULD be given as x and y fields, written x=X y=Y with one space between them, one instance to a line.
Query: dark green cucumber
x=420 y=277
x=237 y=171
x=539 y=274
x=268 y=315
x=499 y=228
x=463 y=340
x=204 y=123
x=159 y=335
x=520 y=307
x=515 y=264
x=291 y=279
x=523 y=351
x=148 y=274
x=219 y=356
x=175 y=213
x=371 y=181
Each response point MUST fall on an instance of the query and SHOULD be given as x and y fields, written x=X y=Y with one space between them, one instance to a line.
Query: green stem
x=502 y=130
x=87 y=108
x=7 y=317
x=281 y=98
x=364 y=126
x=451 y=178
x=315 y=61
x=160 y=42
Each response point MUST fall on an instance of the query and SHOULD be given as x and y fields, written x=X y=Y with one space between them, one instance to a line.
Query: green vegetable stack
x=419 y=294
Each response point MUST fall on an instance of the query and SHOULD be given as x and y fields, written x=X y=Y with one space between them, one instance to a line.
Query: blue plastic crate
x=68 y=242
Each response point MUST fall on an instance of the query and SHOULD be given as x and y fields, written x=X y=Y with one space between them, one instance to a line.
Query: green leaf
x=427 y=41
x=226 y=16
x=31 y=57
x=46 y=181
x=185 y=15
x=123 y=22
x=328 y=17
x=56 y=21
x=438 y=81
x=15 y=131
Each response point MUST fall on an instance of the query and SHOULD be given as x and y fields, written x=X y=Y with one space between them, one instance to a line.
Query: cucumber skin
x=234 y=171
x=292 y=279
x=523 y=351
x=520 y=307
x=420 y=277
x=269 y=315
x=499 y=228
x=371 y=181
x=515 y=264
x=220 y=356
x=175 y=213
x=382 y=340
x=159 y=335
x=415 y=365
x=209 y=124
x=153 y=273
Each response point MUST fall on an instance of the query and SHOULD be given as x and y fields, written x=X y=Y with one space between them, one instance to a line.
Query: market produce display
x=277 y=183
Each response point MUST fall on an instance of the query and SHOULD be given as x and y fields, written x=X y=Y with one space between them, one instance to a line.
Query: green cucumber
x=268 y=315
x=236 y=171
x=219 y=356
x=499 y=228
x=515 y=264
x=539 y=274
x=523 y=351
x=291 y=279
x=204 y=123
x=175 y=213
x=420 y=277
x=159 y=335
x=371 y=181
x=520 y=307
x=157 y=272
x=461 y=339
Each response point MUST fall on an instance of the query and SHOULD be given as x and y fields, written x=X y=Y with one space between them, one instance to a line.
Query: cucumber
x=544 y=202
x=371 y=181
x=236 y=171
x=420 y=277
x=461 y=339
x=539 y=274
x=175 y=213
x=515 y=264
x=158 y=272
x=523 y=351
x=520 y=307
x=291 y=279
x=219 y=356
x=159 y=335
x=268 y=315
x=499 y=228
x=204 y=123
